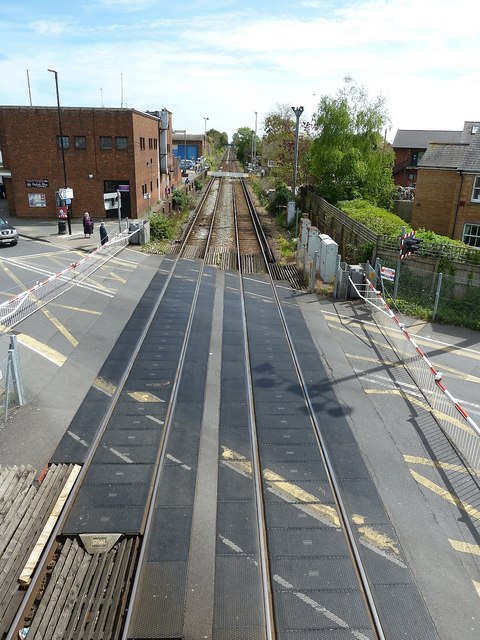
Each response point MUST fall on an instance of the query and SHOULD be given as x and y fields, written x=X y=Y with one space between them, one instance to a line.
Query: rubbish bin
x=62 y=227
x=135 y=238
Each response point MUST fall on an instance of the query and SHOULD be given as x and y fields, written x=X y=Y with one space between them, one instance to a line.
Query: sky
x=235 y=62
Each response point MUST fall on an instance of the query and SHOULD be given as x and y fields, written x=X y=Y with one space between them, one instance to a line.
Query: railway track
x=214 y=494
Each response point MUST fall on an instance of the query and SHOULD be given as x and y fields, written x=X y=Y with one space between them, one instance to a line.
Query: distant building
x=104 y=150
x=409 y=146
x=187 y=146
x=447 y=194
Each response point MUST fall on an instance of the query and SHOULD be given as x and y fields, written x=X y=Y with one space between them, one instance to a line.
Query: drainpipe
x=452 y=229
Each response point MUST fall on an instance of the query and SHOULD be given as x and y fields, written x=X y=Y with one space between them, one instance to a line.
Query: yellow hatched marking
x=389 y=363
x=376 y=538
x=63 y=330
x=437 y=463
x=439 y=414
x=465 y=547
x=281 y=486
x=477 y=587
x=142 y=396
x=104 y=386
x=70 y=308
x=446 y=495
x=425 y=343
x=42 y=349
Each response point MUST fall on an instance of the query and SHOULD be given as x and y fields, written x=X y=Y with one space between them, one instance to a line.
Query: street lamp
x=254 y=147
x=62 y=147
x=298 y=112
x=205 y=140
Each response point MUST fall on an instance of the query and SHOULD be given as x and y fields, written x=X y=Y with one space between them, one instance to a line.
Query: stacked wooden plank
x=85 y=594
x=25 y=506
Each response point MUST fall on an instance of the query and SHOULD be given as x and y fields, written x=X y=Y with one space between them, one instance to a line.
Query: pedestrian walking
x=103 y=234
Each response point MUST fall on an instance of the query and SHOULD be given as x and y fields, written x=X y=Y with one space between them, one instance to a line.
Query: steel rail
x=193 y=224
x=162 y=452
x=47 y=552
x=256 y=467
x=268 y=253
x=50 y=546
x=331 y=475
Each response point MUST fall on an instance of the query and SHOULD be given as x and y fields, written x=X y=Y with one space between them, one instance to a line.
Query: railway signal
x=409 y=244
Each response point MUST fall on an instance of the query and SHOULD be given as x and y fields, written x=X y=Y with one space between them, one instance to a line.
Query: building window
x=66 y=142
x=142 y=143
x=105 y=142
x=121 y=142
x=471 y=234
x=476 y=189
x=80 y=142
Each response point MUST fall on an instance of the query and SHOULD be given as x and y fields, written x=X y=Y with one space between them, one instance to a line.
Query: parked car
x=8 y=233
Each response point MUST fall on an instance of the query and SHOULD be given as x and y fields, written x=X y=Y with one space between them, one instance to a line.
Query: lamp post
x=254 y=149
x=298 y=112
x=205 y=140
x=62 y=146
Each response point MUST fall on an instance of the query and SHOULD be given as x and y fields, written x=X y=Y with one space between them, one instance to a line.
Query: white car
x=8 y=233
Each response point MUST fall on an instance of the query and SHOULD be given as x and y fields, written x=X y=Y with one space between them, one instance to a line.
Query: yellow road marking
x=376 y=538
x=426 y=343
x=143 y=396
x=438 y=464
x=465 y=547
x=439 y=414
x=116 y=277
x=310 y=503
x=42 y=349
x=80 y=309
x=477 y=587
x=389 y=363
x=104 y=386
x=60 y=327
x=446 y=495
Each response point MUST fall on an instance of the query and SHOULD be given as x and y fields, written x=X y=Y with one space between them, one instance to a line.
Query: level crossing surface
x=202 y=552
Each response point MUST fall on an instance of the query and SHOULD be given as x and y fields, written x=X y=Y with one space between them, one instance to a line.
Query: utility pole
x=298 y=112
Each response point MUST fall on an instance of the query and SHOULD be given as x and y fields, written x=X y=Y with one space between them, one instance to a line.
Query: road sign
x=387 y=274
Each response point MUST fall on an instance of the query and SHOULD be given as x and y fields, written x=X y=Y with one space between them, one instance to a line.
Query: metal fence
x=17 y=309
x=459 y=427
x=447 y=298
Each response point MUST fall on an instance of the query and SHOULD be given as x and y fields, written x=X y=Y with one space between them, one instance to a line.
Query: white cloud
x=229 y=60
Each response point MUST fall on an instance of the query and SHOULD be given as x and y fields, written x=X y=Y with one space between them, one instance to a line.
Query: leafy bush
x=286 y=246
x=180 y=199
x=280 y=198
x=380 y=221
x=162 y=227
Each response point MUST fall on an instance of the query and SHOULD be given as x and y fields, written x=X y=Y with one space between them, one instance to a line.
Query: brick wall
x=28 y=139
x=436 y=196
x=443 y=202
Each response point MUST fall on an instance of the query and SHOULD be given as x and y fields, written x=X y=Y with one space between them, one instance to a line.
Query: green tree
x=278 y=145
x=348 y=158
x=217 y=139
x=242 y=143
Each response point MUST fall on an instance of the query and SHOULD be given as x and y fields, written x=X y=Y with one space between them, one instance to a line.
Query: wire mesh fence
x=437 y=296
x=459 y=427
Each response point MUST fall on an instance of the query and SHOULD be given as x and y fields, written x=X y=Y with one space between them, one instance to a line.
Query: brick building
x=409 y=147
x=103 y=150
x=447 y=196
